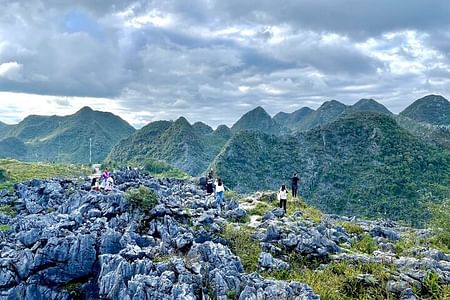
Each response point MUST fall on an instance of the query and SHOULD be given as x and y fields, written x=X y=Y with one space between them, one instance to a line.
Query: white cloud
x=11 y=70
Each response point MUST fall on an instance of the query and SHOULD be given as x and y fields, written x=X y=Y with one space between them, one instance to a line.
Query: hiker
x=294 y=184
x=219 y=192
x=109 y=183
x=282 y=196
x=94 y=184
x=209 y=186
x=105 y=176
x=211 y=173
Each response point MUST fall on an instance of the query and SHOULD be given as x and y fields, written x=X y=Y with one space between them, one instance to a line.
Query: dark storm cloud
x=214 y=60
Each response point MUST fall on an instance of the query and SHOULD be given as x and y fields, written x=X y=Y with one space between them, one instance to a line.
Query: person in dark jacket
x=294 y=185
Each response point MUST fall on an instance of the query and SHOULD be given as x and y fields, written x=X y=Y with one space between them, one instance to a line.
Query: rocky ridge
x=67 y=242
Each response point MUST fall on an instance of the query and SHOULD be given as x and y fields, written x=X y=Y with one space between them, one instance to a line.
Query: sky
x=213 y=60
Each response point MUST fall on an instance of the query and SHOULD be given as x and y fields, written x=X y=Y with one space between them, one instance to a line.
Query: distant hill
x=188 y=147
x=292 y=120
x=4 y=129
x=367 y=105
x=258 y=120
x=432 y=109
x=361 y=164
x=328 y=112
x=66 y=139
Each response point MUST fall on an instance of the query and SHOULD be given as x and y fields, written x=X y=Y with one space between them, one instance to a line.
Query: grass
x=8 y=210
x=309 y=212
x=338 y=280
x=17 y=171
x=260 y=209
x=5 y=227
x=351 y=228
x=243 y=245
x=365 y=244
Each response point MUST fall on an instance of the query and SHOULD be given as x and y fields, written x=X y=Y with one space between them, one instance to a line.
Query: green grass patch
x=8 y=210
x=351 y=228
x=243 y=245
x=298 y=204
x=141 y=197
x=16 y=171
x=260 y=209
x=5 y=227
x=338 y=280
x=365 y=244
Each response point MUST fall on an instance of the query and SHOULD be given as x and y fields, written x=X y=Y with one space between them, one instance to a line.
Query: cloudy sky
x=213 y=60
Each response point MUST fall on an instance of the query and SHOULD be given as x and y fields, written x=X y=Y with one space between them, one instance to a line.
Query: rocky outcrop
x=67 y=243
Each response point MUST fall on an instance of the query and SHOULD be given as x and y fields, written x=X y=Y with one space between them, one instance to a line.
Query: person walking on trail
x=219 y=192
x=282 y=197
x=294 y=184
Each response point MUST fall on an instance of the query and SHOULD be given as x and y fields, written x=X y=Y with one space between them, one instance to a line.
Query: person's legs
x=294 y=191
x=283 y=204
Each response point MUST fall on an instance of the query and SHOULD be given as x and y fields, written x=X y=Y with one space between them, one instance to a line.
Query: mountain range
x=356 y=159
x=63 y=138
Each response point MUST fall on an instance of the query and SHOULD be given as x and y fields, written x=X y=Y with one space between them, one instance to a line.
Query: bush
x=365 y=244
x=162 y=169
x=351 y=228
x=141 y=197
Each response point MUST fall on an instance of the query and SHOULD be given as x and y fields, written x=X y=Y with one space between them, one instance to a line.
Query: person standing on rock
x=282 y=197
x=105 y=176
x=294 y=185
x=219 y=192
x=209 y=184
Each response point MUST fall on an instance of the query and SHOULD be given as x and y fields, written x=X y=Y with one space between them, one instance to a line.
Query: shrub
x=162 y=169
x=432 y=285
x=141 y=197
x=243 y=245
x=351 y=228
x=365 y=244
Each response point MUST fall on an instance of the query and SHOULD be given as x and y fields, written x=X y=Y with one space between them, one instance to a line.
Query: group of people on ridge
x=282 y=193
x=106 y=181
x=216 y=186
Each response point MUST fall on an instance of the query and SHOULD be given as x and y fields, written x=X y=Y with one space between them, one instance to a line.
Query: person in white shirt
x=219 y=192
x=282 y=196
x=109 y=184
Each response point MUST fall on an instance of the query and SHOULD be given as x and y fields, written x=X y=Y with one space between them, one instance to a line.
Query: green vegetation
x=8 y=210
x=364 y=164
x=339 y=280
x=17 y=171
x=162 y=169
x=190 y=148
x=141 y=197
x=308 y=211
x=243 y=245
x=64 y=139
x=440 y=223
x=260 y=209
x=365 y=244
x=5 y=227
x=351 y=228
